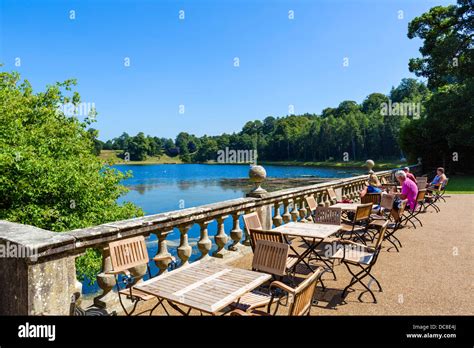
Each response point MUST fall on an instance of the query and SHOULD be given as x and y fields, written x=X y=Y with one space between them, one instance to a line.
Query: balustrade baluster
x=106 y=283
x=303 y=211
x=294 y=212
x=163 y=258
x=221 y=238
x=204 y=244
x=184 y=249
x=286 y=211
x=236 y=233
x=277 y=219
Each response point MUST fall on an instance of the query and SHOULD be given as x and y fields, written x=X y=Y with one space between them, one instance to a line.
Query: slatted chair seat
x=354 y=256
x=291 y=261
x=377 y=217
x=251 y=300
x=349 y=228
x=378 y=222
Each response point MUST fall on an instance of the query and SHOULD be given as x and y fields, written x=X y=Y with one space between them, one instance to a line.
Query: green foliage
x=137 y=147
x=448 y=63
x=88 y=265
x=49 y=174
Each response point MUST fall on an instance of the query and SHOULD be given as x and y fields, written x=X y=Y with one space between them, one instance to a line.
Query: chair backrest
x=421 y=182
x=397 y=214
x=303 y=295
x=444 y=184
x=252 y=221
x=128 y=253
x=363 y=212
x=387 y=200
x=420 y=197
x=272 y=236
x=331 y=193
x=381 y=236
x=270 y=257
x=371 y=198
x=383 y=180
x=312 y=204
x=326 y=215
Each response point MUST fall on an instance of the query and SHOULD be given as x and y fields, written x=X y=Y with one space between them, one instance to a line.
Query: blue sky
x=190 y=62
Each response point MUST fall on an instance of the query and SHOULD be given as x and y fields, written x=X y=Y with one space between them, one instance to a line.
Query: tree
x=447 y=62
x=137 y=147
x=374 y=102
x=120 y=143
x=409 y=90
x=49 y=175
x=98 y=145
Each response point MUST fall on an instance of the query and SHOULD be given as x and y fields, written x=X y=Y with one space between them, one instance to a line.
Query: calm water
x=166 y=187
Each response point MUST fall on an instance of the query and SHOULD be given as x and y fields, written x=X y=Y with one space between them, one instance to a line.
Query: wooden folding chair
x=359 y=224
x=392 y=215
x=329 y=216
x=385 y=207
x=252 y=221
x=362 y=256
x=312 y=204
x=323 y=215
x=421 y=182
x=269 y=257
x=442 y=190
x=373 y=198
x=301 y=297
x=434 y=195
x=412 y=213
x=126 y=254
x=272 y=236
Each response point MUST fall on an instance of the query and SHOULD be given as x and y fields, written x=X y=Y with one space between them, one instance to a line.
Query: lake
x=166 y=187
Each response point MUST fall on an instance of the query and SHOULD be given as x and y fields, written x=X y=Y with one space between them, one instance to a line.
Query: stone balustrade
x=45 y=283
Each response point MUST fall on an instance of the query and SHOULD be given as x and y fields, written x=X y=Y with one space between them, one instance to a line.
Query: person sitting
x=409 y=189
x=438 y=180
x=409 y=175
x=372 y=185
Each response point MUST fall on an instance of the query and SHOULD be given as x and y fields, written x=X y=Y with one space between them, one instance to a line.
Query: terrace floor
x=433 y=274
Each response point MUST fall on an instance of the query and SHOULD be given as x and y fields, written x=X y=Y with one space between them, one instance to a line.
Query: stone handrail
x=45 y=282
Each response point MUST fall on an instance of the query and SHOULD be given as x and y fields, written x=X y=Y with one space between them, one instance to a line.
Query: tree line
x=350 y=131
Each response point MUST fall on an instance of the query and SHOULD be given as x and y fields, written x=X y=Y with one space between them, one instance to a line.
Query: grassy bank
x=113 y=155
x=460 y=184
x=164 y=159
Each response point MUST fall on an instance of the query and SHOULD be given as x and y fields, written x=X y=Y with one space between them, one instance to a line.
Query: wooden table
x=205 y=286
x=314 y=231
x=308 y=230
x=346 y=206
